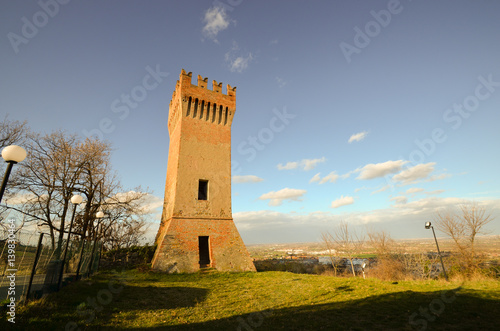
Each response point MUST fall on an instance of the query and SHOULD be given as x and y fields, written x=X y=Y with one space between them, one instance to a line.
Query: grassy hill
x=132 y=300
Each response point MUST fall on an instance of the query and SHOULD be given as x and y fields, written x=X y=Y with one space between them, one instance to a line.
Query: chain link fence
x=31 y=265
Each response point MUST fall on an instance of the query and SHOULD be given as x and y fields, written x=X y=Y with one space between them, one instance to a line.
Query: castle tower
x=197 y=228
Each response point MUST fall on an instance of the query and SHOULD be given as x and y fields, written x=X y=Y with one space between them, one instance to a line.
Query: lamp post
x=75 y=200
x=98 y=215
x=429 y=226
x=11 y=154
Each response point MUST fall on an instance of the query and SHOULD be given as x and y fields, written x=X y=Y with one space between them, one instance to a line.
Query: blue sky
x=379 y=113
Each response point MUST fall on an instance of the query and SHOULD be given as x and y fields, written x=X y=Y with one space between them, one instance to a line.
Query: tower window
x=189 y=106
x=203 y=189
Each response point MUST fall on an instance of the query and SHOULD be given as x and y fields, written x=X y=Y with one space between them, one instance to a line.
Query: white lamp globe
x=76 y=199
x=99 y=214
x=13 y=153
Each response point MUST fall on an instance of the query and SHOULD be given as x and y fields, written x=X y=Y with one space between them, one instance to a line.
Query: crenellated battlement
x=216 y=87
x=231 y=91
x=202 y=82
x=186 y=78
x=199 y=102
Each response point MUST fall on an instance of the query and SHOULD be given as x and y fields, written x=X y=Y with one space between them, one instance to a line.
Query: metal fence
x=31 y=265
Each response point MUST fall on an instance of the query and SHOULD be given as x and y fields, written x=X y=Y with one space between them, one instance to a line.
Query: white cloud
x=316 y=178
x=151 y=204
x=310 y=164
x=281 y=82
x=382 y=189
x=414 y=190
x=124 y=196
x=411 y=175
x=371 y=170
x=331 y=177
x=147 y=204
x=358 y=136
x=240 y=63
x=438 y=177
x=305 y=164
x=237 y=62
x=247 y=179
x=216 y=20
x=261 y=218
x=400 y=200
x=347 y=174
x=342 y=201
x=406 y=220
x=432 y=204
x=277 y=198
x=288 y=166
x=18 y=199
x=435 y=192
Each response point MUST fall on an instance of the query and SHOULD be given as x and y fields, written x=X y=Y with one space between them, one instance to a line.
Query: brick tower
x=197 y=228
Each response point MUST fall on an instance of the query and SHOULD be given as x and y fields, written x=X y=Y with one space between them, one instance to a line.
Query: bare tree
x=12 y=132
x=327 y=239
x=463 y=228
x=345 y=241
x=61 y=165
x=125 y=234
x=124 y=224
x=382 y=243
x=46 y=180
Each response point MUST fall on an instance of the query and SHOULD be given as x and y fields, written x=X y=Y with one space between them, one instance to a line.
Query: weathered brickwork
x=200 y=149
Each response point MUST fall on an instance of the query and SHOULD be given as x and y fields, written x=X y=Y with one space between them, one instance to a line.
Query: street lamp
x=75 y=200
x=11 y=154
x=429 y=226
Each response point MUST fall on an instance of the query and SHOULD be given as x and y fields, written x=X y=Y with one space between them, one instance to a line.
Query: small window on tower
x=203 y=189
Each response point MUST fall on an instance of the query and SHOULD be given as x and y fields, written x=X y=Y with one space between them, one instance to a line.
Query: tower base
x=190 y=244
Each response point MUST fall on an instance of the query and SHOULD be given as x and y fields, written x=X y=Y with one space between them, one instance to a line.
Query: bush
x=388 y=269
x=128 y=257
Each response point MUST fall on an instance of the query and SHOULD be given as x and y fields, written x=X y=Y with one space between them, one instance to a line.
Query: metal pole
x=80 y=260
x=100 y=246
x=439 y=253
x=93 y=251
x=6 y=178
x=33 y=270
x=66 y=249
x=91 y=258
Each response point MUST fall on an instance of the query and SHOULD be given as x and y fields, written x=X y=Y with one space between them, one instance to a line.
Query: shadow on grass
x=81 y=307
x=151 y=297
x=345 y=288
x=441 y=310
x=407 y=310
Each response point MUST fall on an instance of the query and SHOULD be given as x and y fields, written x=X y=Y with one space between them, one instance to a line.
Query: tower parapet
x=186 y=78
x=198 y=102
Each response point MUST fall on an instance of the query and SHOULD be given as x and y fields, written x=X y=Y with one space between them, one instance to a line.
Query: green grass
x=261 y=301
